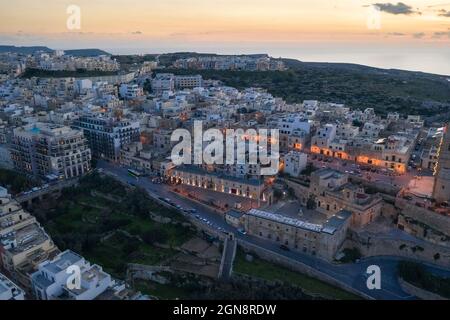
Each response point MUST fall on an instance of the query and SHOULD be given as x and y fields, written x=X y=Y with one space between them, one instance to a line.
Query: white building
x=294 y=163
x=50 y=282
x=130 y=91
x=9 y=290
x=163 y=82
x=293 y=122
x=324 y=136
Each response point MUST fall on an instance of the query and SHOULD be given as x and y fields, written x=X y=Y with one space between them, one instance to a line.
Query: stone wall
x=372 y=245
x=430 y=218
x=298 y=266
x=389 y=211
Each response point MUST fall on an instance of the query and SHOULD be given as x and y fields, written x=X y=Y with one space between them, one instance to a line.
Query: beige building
x=321 y=240
x=391 y=153
x=23 y=242
x=135 y=156
x=332 y=193
x=43 y=149
x=441 y=190
x=201 y=178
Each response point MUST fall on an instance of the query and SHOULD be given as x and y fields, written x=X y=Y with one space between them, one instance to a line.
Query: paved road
x=353 y=274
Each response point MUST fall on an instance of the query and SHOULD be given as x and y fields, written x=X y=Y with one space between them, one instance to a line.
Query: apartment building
x=188 y=81
x=43 y=149
x=9 y=290
x=136 y=156
x=297 y=140
x=163 y=82
x=23 y=242
x=161 y=140
x=130 y=91
x=390 y=153
x=289 y=126
x=107 y=135
x=49 y=282
x=295 y=163
x=441 y=189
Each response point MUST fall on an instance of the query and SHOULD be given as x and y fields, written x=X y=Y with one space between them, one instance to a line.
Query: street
x=352 y=274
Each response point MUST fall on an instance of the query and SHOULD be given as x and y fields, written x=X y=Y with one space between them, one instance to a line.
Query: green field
x=112 y=233
x=265 y=270
x=162 y=291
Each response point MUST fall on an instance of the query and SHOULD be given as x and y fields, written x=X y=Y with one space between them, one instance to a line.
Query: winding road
x=351 y=274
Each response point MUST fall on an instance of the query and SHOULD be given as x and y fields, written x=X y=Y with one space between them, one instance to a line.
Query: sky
x=410 y=34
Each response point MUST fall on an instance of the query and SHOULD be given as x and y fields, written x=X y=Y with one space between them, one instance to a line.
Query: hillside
x=33 y=49
x=79 y=73
x=86 y=52
x=355 y=85
x=24 y=50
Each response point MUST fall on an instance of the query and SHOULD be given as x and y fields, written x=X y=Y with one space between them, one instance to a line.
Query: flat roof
x=286 y=220
x=63 y=261
x=330 y=226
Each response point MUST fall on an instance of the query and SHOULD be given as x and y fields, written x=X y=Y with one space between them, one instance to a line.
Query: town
x=352 y=187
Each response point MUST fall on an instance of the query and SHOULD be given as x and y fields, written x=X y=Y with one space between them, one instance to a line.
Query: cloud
x=441 y=34
x=419 y=35
x=399 y=8
x=444 y=13
x=397 y=34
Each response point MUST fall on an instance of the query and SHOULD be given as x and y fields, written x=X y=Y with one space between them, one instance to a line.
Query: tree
x=154 y=236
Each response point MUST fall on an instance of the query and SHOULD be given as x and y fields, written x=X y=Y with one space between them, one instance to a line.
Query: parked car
x=242 y=231
x=285 y=248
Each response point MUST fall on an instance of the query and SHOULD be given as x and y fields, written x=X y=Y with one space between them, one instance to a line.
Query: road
x=353 y=274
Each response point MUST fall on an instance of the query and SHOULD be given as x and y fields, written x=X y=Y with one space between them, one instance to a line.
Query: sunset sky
x=285 y=27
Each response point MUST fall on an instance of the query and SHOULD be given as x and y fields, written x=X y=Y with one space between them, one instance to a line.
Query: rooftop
x=24 y=239
x=8 y=289
x=63 y=261
x=315 y=222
